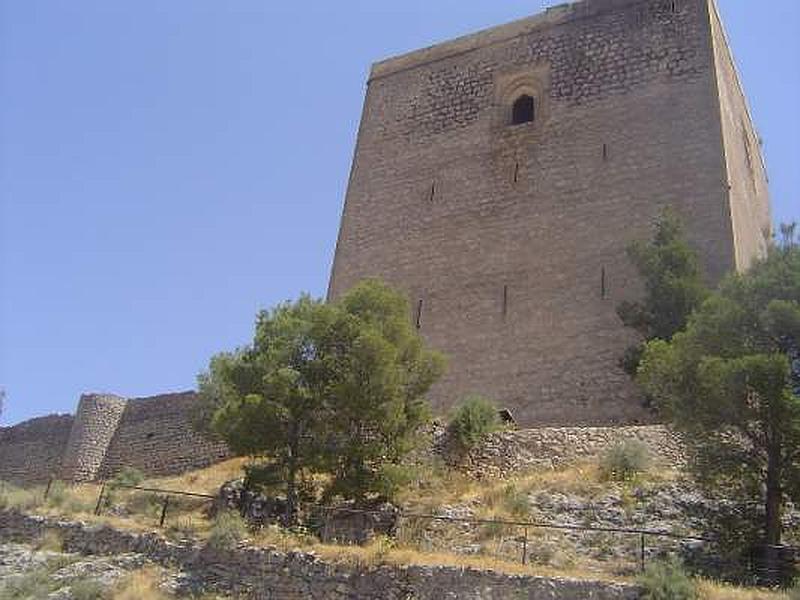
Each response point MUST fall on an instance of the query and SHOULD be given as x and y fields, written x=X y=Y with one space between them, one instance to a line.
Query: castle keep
x=499 y=177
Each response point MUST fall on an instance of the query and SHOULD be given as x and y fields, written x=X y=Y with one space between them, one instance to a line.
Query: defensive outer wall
x=106 y=434
x=509 y=235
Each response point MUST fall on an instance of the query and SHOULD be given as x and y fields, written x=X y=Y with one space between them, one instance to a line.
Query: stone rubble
x=264 y=573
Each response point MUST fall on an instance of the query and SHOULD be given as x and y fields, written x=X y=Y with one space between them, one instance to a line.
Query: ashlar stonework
x=509 y=238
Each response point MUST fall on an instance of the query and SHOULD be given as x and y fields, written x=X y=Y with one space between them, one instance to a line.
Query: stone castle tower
x=499 y=177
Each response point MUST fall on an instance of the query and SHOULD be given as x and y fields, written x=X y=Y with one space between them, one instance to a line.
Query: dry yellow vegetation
x=716 y=591
x=433 y=488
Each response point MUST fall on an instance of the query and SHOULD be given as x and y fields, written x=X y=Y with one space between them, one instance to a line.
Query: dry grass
x=50 y=541
x=386 y=551
x=140 y=585
x=716 y=591
x=202 y=481
x=383 y=552
x=434 y=487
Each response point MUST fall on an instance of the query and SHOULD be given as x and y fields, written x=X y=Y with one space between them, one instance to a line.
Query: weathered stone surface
x=510 y=240
x=107 y=434
x=63 y=570
x=268 y=574
x=32 y=451
x=96 y=422
x=343 y=523
x=508 y=452
x=155 y=436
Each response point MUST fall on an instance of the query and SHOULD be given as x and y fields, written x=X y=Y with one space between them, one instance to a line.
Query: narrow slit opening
x=603 y=282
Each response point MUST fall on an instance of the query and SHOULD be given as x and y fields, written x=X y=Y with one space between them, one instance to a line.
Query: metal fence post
x=164 y=511
x=100 y=499
x=525 y=547
x=327 y=532
x=643 y=557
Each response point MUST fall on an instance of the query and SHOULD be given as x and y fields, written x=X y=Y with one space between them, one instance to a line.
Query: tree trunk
x=291 y=478
x=774 y=500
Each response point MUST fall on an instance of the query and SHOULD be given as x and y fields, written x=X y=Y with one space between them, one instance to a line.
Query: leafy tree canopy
x=727 y=381
x=673 y=286
x=334 y=388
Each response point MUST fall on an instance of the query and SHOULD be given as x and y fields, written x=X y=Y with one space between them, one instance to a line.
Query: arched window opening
x=523 y=111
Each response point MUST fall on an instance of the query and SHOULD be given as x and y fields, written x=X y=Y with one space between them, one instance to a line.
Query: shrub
x=128 y=476
x=182 y=529
x=143 y=585
x=144 y=503
x=88 y=589
x=34 y=584
x=509 y=499
x=13 y=497
x=228 y=530
x=624 y=461
x=794 y=593
x=667 y=580
x=50 y=541
x=475 y=418
x=392 y=479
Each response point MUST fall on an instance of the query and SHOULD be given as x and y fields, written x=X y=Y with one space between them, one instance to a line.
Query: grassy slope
x=434 y=489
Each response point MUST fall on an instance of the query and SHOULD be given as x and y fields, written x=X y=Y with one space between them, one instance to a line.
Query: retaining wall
x=268 y=574
x=506 y=452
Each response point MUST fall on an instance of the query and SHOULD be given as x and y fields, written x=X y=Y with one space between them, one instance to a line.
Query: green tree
x=266 y=399
x=672 y=283
x=331 y=388
x=378 y=374
x=730 y=382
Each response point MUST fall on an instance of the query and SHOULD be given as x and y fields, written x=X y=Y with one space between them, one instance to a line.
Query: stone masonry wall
x=510 y=240
x=271 y=575
x=32 y=451
x=95 y=423
x=746 y=174
x=508 y=452
x=155 y=436
x=107 y=434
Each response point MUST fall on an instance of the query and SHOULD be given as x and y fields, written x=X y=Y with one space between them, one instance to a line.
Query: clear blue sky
x=169 y=167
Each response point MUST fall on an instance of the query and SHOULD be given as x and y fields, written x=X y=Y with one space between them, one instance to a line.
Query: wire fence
x=522 y=541
x=590 y=547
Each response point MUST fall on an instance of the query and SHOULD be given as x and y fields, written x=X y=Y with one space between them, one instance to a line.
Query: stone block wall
x=155 y=436
x=510 y=240
x=96 y=421
x=508 y=452
x=751 y=218
x=268 y=574
x=32 y=451
x=107 y=434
